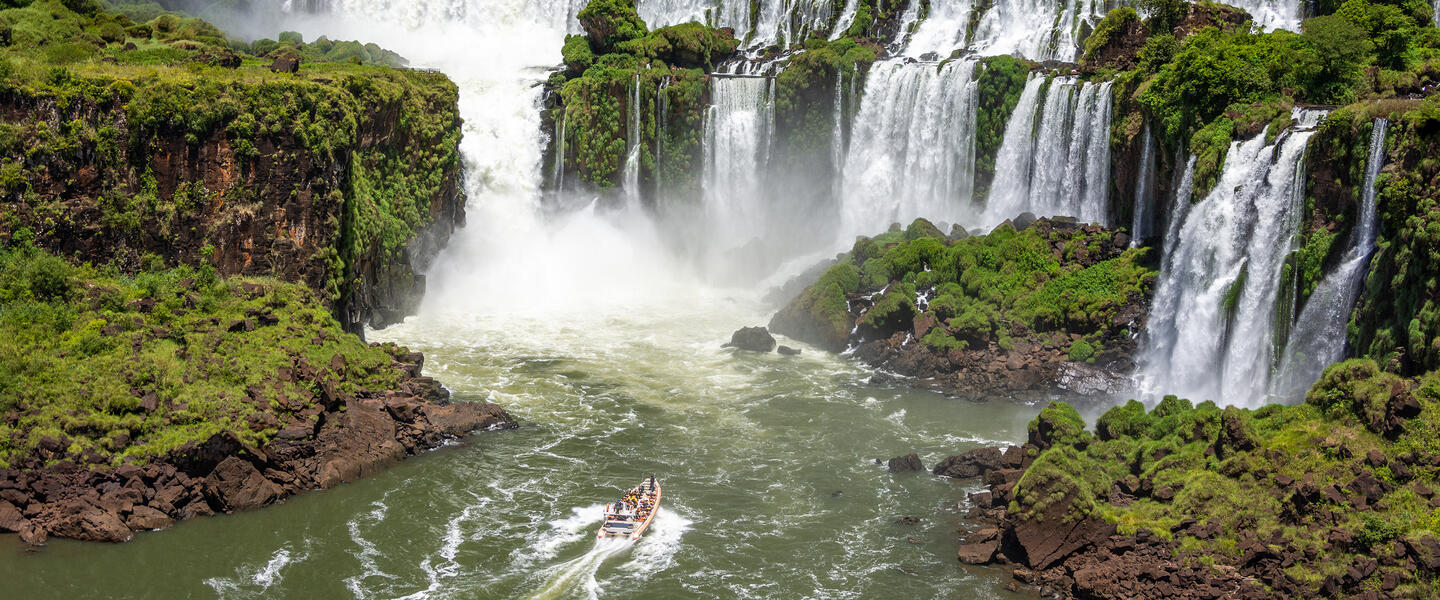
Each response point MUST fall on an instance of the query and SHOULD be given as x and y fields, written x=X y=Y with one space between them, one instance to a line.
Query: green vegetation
x=1000 y=81
x=1355 y=458
x=1397 y=321
x=113 y=368
x=805 y=101
x=594 y=95
x=985 y=289
x=115 y=103
x=1224 y=79
x=1114 y=23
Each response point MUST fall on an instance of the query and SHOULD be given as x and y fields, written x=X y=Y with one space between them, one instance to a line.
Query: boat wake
x=653 y=553
x=581 y=571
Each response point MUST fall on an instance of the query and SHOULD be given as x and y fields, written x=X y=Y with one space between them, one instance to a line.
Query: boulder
x=973 y=463
x=144 y=518
x=978 y=553
x=1023 y=221
x=236 y=485
x=287 y=63
x=905 y=464
x=76 y=519
x=10 y=518
x=788 y=351
x=753 y=339
x=1046 y=539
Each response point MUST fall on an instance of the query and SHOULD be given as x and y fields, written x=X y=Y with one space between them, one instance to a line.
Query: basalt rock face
x=934 y=309
x=356 y=436
x=349 y=184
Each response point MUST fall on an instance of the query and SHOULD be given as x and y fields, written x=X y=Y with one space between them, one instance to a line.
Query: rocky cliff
x=341 y=176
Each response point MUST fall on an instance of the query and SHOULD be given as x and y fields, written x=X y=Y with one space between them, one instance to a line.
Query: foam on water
x=251 y=582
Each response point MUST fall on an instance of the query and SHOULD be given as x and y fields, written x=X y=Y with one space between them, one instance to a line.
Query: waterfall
x=943 y=29
x=1060 y=166
x=1211 y=330
x=662 y=121
x=912 y=146
x=557 y=175
x=1144 y=191
x=1011 y=183
x=1319 y=336
x=847 y=18
x=772 y=20
x=633 y=134
x=837 y=138
x=739 y=128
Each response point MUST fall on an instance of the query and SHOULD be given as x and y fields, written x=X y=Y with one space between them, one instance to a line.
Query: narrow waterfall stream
x=1319 y=336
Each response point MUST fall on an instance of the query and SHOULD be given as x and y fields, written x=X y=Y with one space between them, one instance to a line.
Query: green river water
x=771 y=489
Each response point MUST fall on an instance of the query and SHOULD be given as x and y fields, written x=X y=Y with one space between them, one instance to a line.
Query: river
x=768 y=466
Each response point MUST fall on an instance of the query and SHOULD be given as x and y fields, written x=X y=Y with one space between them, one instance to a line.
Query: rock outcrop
x=752 y=339
x=919 y=304
x=356 y=436
x=1185 y=501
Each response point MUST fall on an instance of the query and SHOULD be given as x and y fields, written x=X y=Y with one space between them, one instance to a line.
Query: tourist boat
x=632 y=513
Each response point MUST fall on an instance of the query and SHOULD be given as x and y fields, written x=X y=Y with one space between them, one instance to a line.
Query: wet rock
x=753 y=339
x=33 y=534
x=1023 y=221
x=1048 y=538
x=788 y=351
x=973 y=463
x=78 y=520
x=905 y=464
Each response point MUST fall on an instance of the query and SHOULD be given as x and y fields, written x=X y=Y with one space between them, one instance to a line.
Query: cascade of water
x=739 y=128
x=847 y=18
x=1011 y=184
x=1211 y=328
x=1095 y=177
x=557 y=175
x=912 y=146
x=837 y=138
x=662 y=121
x=943 y=29
x=1063 y=168
x=1009 y=27
x=1054 y=143
x=631 y=174
x=1144 y=191
x=908 y=20
x=1319 y=336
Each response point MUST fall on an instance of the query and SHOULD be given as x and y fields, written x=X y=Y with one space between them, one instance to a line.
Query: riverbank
x=130 y=402
x=1335 y=497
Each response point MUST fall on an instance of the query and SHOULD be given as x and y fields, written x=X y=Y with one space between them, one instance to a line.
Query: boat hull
x=636 y=529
